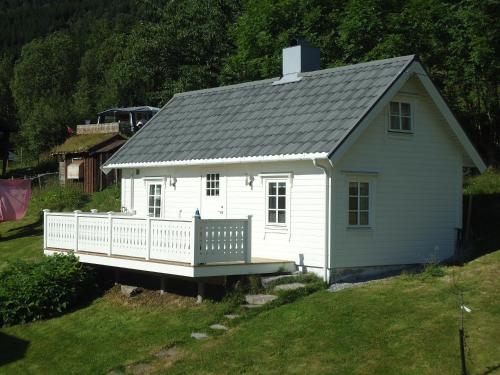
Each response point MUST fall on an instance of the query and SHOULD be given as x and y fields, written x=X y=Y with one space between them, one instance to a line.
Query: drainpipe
x=328 y=197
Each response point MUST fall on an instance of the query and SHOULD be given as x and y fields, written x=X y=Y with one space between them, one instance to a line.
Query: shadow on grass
x=28 y=230
x=11 y=348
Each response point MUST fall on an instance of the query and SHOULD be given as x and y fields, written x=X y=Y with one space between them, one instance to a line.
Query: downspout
x=328 y=197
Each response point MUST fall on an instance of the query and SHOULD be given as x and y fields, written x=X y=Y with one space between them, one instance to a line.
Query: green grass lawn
x=402 y=325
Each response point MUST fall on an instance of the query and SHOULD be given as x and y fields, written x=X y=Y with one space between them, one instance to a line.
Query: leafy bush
x=106 y=200
x=487 y=183
x=58 y=198
x=433 y=270
x=42 y=289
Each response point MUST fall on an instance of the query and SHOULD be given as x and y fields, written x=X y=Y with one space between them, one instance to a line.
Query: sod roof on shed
x=82 y=143
x=261 y=119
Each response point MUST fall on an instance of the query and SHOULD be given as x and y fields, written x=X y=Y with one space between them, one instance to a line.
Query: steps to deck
x=269 y=279
x=291 y=286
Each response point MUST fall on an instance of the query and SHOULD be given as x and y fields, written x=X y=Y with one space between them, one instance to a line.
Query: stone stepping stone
x=219 y=327
x=291 y=286
x=199 y=335
x=259 y=299
x=167 y=353
x=141 y=369
x=232 y=316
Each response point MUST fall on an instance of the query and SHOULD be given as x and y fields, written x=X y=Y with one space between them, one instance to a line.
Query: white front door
x=213 y=196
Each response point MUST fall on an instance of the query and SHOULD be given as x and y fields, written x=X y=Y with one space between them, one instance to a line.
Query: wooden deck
x=255 y=266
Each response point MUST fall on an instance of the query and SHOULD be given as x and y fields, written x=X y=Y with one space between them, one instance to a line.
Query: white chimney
x=298 y=58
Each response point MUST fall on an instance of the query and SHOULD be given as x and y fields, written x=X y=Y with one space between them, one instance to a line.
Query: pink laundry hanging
x=14 y=199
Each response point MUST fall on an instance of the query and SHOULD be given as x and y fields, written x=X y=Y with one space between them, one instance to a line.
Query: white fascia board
x=241 y=160
x=446 y=112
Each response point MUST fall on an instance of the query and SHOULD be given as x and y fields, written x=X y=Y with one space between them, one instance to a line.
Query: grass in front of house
x=402 y=325
x=112 y=332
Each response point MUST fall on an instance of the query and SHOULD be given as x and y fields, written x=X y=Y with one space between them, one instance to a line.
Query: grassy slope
x=113 y=331
x=403 y=325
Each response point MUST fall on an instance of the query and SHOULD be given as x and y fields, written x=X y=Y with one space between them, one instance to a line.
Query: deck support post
x=45 y=229
x=76 y=212
x=148 y=236
x=201 y=292
x=117 y=276
x=163 y=285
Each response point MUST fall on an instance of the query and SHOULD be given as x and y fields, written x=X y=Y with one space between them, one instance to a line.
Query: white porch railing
x=195 y=241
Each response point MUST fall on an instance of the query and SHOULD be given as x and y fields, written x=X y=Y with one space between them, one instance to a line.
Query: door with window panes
x=213 y=196
x=154 y=190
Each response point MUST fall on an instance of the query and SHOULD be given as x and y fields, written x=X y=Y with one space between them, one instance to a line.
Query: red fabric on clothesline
x=14 y=199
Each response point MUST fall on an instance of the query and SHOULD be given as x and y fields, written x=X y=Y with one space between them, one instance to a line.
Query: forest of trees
x=62 y=61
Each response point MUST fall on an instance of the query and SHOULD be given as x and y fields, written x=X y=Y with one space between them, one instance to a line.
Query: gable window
x=359 y=203
x=154 y=200
x=400 y=118
x=276 y=202
x=213 y=180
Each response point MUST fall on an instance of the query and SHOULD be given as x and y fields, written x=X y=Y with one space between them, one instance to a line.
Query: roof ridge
x=305 y=74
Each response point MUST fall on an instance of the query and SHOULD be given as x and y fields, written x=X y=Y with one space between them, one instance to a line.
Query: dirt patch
x=149 y=298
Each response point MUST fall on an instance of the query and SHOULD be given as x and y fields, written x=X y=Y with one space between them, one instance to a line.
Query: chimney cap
x=299 y=42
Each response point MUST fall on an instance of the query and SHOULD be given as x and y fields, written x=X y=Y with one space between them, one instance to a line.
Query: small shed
x=81 y=157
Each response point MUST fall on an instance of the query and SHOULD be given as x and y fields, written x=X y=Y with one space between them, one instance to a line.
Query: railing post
x=195 y=240
x=45 y=212
x=76 y=212
x=248 y=252
x=110 y=230
x=148 y=237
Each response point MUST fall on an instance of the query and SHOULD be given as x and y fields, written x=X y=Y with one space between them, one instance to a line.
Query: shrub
x=42 y=289
x=58 y=198
x=106 y=200
x=487 y=183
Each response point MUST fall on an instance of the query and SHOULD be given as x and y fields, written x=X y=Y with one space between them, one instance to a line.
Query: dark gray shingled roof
x=259 y=119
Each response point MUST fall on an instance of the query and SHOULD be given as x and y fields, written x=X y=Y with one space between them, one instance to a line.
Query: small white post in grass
x=110 y=231
x=45 y=229
x=76 y=212
x=248 y=252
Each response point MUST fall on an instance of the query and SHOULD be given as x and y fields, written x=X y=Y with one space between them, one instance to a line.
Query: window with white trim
x=400 y=118
x=154 y=200
x=276 y=202
x=213 y=181
x=359 y=203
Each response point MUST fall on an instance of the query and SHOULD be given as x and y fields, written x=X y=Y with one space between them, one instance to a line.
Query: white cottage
x=356 y=167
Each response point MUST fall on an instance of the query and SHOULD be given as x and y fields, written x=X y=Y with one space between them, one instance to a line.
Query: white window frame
x=275 y=226
x=399 y=102
x=369 y=177
x=215 y=179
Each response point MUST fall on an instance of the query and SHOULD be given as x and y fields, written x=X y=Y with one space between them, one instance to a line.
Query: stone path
x=232 y=316
x=199 y=335
x=219 y=327
x=267 y=280
x=259 y=299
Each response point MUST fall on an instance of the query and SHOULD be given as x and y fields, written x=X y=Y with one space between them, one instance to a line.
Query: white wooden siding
x=417 y=191
x=302 y=243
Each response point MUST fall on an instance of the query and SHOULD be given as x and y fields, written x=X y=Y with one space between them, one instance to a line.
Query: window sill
x=276 y=229
x=390 y=131
x=359 y=227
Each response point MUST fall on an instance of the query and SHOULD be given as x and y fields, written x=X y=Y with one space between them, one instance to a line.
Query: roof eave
x=237 y=160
